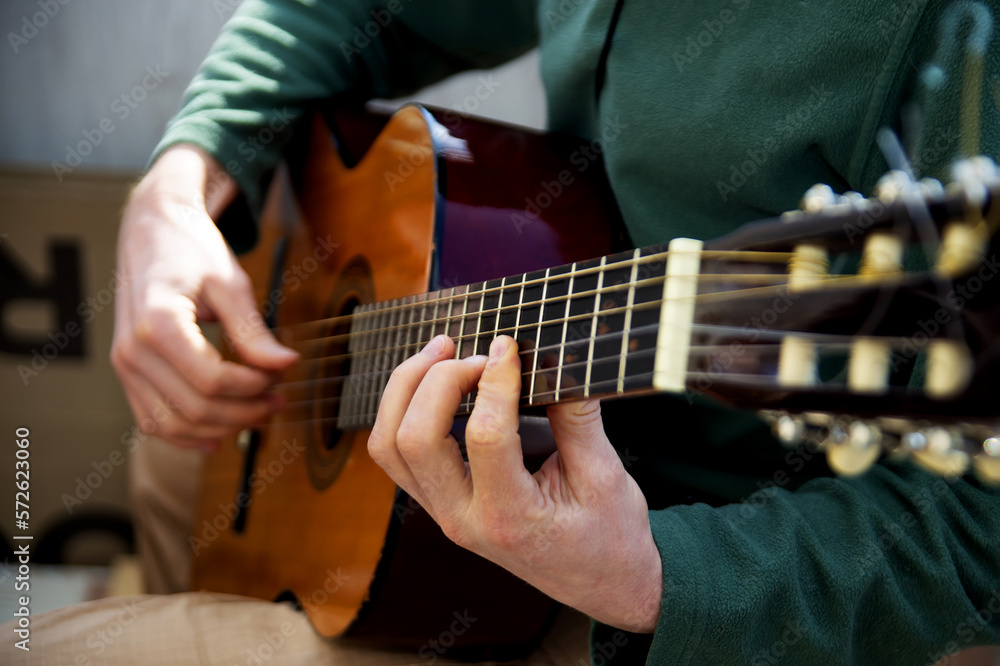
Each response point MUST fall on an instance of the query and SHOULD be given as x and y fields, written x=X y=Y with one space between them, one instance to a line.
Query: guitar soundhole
x=330 y=447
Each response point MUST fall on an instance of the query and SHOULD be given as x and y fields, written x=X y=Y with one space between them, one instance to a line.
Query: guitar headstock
x=864 y=325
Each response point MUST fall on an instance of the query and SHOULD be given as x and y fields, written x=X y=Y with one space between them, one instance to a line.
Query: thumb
x=580 y=438
x=233 y=303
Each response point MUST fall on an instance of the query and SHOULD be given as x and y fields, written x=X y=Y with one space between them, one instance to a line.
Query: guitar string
x=828 y=342
x=744 y=255
x=368 y=418
x=510 y=309
x=646 y=305
x=827 y=339
x=696 y=352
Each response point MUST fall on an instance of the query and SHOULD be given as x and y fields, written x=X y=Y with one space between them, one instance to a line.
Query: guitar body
x=372 y=210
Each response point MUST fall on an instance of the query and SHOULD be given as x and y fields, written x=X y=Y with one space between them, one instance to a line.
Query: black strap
x=602 y=62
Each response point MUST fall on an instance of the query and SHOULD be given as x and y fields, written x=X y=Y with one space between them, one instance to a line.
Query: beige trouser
x=174 y=626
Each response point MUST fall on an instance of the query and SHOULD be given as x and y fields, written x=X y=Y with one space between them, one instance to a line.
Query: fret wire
x=390 y=358
x=358 y=407
x=461 y=325
x=520 y=303
x=628 y=323
x=352 y=343
x=593 y=328
x=496 y=322
x=399 y=353
x=356 y=404
x=410 y=328
x=424 y=322
x=562 y=347
x=538 y=333
x=479 y=321
x=375 y=360
x=451 y=304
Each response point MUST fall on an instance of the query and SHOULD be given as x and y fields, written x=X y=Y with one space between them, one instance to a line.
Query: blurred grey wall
x=67 y=66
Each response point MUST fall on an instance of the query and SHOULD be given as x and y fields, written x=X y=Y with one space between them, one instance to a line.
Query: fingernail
x=279 y=349
x=434 y=347
x=498 y=348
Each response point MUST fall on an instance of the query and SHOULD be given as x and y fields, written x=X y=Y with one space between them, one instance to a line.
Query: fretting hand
x=577 y=529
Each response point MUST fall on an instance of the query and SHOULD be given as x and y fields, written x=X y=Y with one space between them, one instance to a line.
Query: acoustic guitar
x=382 y=232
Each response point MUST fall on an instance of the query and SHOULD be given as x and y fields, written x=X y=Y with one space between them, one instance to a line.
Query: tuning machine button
x=853 y=447
x=987 y=463
x=939 y=449
x=790 y=430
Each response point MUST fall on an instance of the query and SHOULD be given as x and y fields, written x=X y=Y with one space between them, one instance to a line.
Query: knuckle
x=409 y=441
x=484 y=429
x=122 y=352
x=153 y=324
x=208 y=383
x=378 y=447
x=196 y=411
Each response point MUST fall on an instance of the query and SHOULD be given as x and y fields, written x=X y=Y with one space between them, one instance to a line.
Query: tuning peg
x=939 y=450
x=987 y=463
x=976 y=175
x=818 y=197
x=931 y=187
x=893 y=185
x=790 y=430
x=853 y=450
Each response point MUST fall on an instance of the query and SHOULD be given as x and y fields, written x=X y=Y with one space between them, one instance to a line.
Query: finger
x=237 y=413
x=171 y=331
x=392 y=408
x=233 y=303
x=155 y=415
x=424 y=438
x=499 y=477
x=584 y=448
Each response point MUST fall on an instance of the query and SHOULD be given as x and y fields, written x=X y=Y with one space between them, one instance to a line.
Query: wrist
x=189 y=174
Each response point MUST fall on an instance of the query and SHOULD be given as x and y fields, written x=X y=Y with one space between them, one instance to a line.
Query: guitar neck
x=587 y=329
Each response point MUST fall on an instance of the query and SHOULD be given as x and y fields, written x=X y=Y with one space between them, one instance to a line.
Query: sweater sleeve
x=275 y=56
x=895 y=567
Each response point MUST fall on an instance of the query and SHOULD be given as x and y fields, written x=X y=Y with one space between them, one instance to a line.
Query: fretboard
x=587 y=329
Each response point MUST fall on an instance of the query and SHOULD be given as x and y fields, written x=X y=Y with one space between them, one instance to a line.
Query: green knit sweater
x=730 y=109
